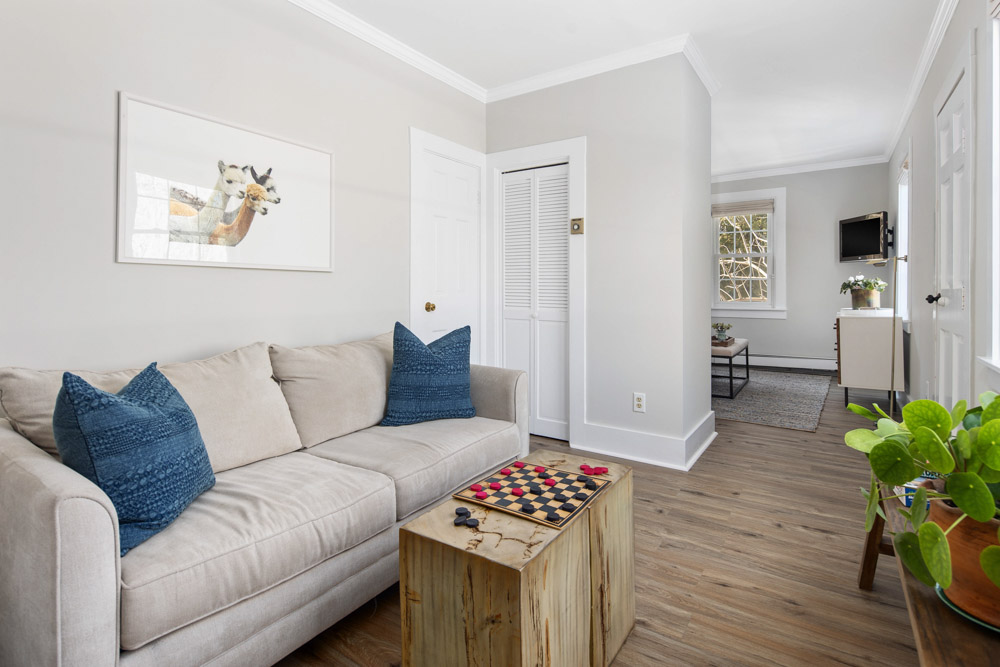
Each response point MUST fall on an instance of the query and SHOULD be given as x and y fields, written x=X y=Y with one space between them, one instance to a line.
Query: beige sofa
x=300 y=529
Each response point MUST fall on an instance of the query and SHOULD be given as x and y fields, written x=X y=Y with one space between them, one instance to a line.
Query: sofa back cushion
x=240 y=409
x=333 y=390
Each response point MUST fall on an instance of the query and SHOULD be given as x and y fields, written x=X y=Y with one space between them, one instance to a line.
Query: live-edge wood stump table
x=514 y=592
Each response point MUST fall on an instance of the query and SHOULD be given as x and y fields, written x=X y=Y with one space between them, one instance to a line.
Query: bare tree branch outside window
x=743 y=256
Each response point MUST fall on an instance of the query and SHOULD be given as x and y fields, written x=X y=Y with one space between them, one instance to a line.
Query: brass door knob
x=430 y=307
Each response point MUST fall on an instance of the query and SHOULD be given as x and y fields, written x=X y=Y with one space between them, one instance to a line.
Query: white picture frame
x=198 y=191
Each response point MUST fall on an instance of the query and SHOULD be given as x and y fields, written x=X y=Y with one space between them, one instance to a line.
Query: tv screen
x=863 y=238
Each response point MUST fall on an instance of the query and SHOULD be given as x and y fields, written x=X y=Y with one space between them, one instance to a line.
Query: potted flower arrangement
x=952 y=541
x=865 y=292
x=721 y=329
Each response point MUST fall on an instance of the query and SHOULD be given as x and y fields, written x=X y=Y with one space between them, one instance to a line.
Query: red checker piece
x=600 y=470
x=505 y=471
x=476 y=487
x=550 y=482
x=494 y=485
x=518 y=491
x=481 y=495
x=539 y=468
x=584 y=467
x=518 y=464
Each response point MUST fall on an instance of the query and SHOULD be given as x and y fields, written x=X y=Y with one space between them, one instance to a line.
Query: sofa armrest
x=59 y=562
x=499 y=393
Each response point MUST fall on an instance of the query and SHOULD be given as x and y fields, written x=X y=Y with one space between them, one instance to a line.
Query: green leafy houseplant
x=862 y=283
x=962 y=448
x=720 y=329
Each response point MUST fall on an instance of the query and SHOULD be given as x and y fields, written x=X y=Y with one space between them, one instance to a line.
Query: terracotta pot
x=865 y=298
x=970 y=589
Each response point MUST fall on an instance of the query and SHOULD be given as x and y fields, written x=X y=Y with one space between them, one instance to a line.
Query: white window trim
x=992 y=363
x=775 y=308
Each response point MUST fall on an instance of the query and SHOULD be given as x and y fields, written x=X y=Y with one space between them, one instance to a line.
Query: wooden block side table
x=510 y=592
x=515 y=592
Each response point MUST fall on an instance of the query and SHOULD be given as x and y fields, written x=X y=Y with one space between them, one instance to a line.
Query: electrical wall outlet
x=638 y=402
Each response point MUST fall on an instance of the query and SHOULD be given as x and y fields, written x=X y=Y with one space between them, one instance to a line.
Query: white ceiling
x=800 y=82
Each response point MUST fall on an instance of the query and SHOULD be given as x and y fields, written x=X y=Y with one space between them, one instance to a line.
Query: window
x=901 y=239
x=743 y=258
x=749 y=249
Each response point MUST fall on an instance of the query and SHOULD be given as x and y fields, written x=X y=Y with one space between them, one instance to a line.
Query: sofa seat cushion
x=427 y=460
x=260 y=525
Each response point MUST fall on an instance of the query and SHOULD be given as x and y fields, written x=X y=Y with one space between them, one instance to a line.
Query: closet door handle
x=933 y=298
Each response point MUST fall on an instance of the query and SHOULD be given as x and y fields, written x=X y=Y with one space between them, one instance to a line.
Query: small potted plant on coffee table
x=865 y=292
x=954 y=543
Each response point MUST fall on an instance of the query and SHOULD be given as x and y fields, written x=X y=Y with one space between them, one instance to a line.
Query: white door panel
x=535 y=274
x=954 y=229
x=444 y=256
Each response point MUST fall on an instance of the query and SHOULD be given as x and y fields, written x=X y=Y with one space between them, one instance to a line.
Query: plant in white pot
x=955 y=543
x=865 y=292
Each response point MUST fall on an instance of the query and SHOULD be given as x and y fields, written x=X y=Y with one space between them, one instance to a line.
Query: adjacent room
x=376 y=332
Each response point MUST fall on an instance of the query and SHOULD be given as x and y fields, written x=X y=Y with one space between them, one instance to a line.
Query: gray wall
x=648 y=174
x=815 y=202
x=923 y=242
x=260 y=63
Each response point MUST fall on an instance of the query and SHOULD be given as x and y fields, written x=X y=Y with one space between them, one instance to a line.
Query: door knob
x=430 y=307
x=934 y=298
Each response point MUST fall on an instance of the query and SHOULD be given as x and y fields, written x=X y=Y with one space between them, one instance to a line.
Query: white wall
x=648 y=175
x=920 y=130
x=261 y=63
x=815 y=203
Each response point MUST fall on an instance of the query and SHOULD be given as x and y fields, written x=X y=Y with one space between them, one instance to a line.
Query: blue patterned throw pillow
x=142 y=446
x=429 y=381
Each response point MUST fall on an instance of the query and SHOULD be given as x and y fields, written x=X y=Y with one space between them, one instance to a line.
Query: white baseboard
x=678 y=453
x=792 y=362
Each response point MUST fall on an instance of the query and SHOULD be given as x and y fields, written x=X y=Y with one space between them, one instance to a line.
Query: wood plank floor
x=750 y=558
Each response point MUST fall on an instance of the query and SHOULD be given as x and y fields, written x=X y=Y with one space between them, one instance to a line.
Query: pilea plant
x=962 y=449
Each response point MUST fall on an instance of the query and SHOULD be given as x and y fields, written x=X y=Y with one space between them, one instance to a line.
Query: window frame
x=775 y=306
x=992 y=362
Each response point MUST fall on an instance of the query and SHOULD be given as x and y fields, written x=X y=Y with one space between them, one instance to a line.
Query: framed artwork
x=197 y=191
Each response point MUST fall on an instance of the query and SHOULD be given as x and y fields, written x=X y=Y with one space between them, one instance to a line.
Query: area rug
x=785 y=400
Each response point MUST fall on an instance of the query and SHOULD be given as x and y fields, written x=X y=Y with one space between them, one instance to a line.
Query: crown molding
x=935 y=35
x=799 y=168
x=334 y=15
x=350 y=23
x=700 y=66
x=679 y=44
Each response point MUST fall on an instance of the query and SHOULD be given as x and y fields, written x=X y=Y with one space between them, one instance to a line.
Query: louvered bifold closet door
x=536 y=291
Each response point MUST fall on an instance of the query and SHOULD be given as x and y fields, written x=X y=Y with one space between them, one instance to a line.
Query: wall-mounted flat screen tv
x=865 y=237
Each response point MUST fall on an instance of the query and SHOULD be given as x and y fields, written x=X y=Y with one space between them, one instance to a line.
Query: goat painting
x=198 y=191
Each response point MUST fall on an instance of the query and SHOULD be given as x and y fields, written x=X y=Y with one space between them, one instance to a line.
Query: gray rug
x=785 y=400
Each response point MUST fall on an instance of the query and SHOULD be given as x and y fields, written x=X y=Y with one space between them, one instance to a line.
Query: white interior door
x=444 y=238
x=954 y=256
x=535 y=328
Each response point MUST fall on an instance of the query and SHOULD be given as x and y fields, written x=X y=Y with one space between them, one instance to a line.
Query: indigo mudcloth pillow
x=142 y=446
x=429 y=381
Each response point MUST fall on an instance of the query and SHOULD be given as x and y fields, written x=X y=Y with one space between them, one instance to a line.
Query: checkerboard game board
x=546 y=495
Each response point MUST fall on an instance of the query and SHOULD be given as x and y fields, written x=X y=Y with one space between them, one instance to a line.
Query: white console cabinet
x=864 y=344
